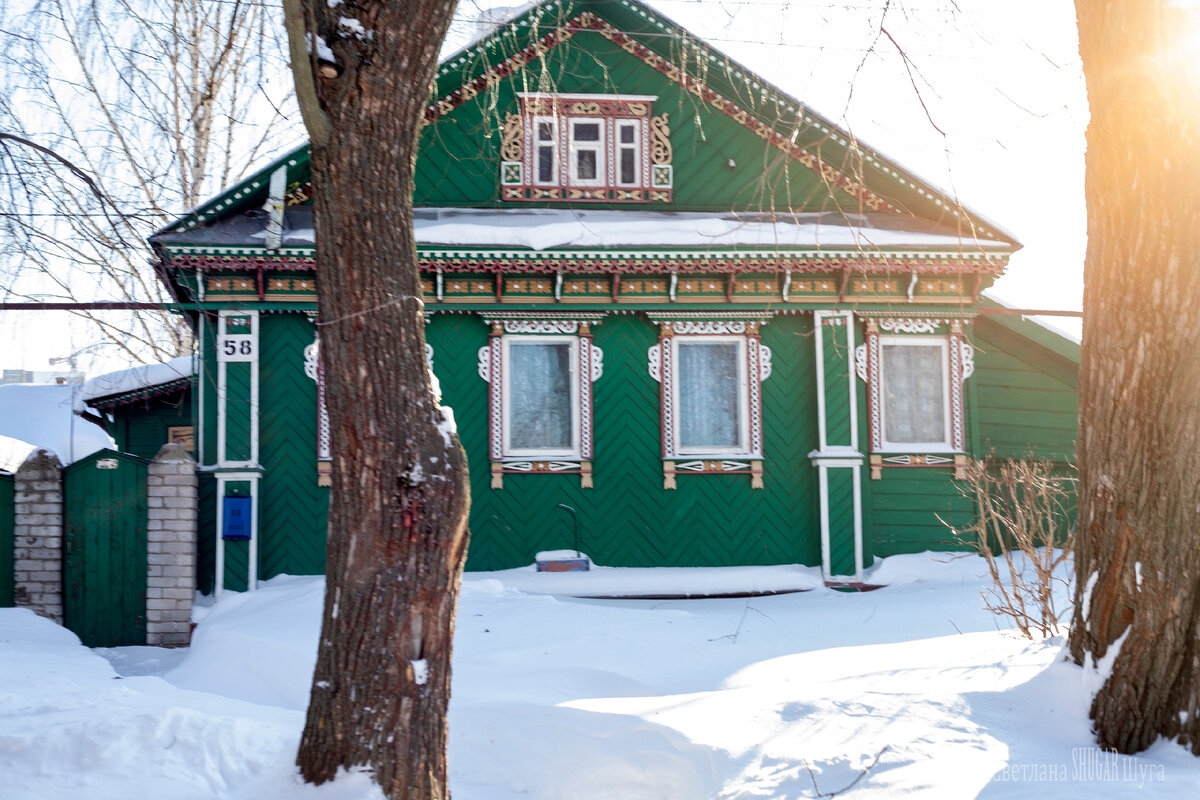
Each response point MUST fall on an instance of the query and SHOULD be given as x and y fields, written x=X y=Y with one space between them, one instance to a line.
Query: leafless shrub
x=1023 y=529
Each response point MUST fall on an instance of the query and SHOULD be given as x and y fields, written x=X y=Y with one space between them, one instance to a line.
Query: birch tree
x=398 y=505
x=1137 y=603
x=163 y=103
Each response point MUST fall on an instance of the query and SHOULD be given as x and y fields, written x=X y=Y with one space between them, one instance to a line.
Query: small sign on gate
x=106 y=463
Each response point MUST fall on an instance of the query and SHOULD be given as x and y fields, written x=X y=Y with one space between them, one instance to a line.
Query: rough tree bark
x=398 y=507
x=1138 y=544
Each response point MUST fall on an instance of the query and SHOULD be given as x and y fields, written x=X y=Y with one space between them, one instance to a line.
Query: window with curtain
x=711 y=395
x=915 y=394
x=541 y=403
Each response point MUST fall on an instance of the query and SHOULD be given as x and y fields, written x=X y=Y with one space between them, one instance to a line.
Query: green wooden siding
x=237 y=411
x=141 y=427
x=206 y=412
x=1027 y=401
x=629 y=519
x=7 y=523
x=104 y=565
x=910 y=509
x=841 y=520
x=292 y=508
x=206 y=531
x=837 y=366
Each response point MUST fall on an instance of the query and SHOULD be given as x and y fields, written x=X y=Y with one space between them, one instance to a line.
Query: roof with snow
x=41 y=416
x=138 y=383
x=553 y=228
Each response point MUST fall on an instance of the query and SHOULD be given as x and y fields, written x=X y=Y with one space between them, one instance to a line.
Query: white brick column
x=171 y=499
x=38 y=536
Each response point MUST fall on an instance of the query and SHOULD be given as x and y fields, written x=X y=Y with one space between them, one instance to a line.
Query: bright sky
x=997 y=118
x=1002 y=81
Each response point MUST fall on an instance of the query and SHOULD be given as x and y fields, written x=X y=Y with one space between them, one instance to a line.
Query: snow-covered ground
x=911 y=687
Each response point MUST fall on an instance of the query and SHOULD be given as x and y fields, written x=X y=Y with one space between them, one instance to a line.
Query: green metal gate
x=104 y=566
x=7 y=523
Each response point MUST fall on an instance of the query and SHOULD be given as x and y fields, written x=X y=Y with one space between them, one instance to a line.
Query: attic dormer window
x=586 y=148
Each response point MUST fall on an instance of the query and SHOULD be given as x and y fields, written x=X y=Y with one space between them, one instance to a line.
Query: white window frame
x=946 y=444
x=507 y=342
x=538 y=143
x=743 y=394
x=564 y=113
x=597 y=146
x=618 y=148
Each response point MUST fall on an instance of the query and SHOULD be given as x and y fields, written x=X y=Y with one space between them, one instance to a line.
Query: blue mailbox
x=236 y=516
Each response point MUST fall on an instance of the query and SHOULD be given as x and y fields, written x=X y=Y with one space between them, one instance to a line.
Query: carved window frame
x=313 y=369
x=521 y=145
x=754 y=368
x=509 y=329
x=959 y=365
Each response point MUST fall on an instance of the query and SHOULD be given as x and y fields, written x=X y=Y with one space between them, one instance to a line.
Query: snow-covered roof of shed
x=139 y=378
x=41 y=416
x=554 y=228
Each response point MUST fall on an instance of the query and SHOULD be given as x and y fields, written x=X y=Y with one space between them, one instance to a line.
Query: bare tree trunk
x=1138 y=544
x=397 y=520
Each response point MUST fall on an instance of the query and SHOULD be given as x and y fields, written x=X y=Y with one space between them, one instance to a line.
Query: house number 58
x=236 y=347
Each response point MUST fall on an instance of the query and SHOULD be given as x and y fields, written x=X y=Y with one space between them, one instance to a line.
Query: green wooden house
x=658 y=290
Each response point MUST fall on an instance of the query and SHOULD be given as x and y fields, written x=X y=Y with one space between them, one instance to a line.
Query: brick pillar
x=171 y=499
x=38 y=536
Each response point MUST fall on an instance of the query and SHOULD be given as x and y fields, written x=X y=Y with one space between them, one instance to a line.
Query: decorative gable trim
x=587 y=21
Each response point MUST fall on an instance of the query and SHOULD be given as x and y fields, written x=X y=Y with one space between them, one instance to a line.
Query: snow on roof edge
x=1040 y=321
x=132 y=379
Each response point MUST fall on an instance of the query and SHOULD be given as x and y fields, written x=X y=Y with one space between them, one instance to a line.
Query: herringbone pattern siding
x=237 y=409
x=628 y=519
x=292 y=506
x=837 y=391
x=841 y=521
x=206 y=531
x=237 y=565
